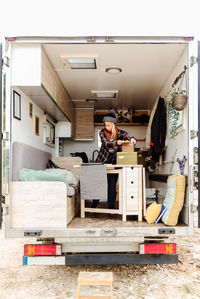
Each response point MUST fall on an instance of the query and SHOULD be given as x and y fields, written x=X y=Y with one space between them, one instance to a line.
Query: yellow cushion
x=153 y=211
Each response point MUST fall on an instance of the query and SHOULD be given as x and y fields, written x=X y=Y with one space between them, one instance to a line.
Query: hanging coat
x=158 y=130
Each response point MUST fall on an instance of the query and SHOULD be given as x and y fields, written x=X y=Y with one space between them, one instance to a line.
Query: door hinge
x=193 y=208
x=5 y=210
x=193 y=134
x=193 y=60
x=6 y=61
x=5 y=136
x=32 y=233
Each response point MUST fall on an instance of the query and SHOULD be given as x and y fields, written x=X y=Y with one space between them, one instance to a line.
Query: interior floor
x=96 y=220
x=101 y=220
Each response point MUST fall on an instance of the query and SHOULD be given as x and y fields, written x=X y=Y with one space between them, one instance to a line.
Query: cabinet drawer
x=132 y=201
x=132 y=172
x=132 y=183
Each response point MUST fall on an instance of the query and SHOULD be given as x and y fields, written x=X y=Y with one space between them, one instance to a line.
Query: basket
x=180 y=101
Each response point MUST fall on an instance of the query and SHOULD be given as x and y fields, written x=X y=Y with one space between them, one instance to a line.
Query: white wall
x=100 y=18
x=71 y=146
x=23 y=130
x=180 y=143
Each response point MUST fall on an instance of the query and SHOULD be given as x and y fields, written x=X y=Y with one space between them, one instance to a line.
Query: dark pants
x=112 y=181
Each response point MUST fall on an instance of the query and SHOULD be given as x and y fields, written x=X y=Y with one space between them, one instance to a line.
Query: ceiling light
x=113 y=70
x=100 y=94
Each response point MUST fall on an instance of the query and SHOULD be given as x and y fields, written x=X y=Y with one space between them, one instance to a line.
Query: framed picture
x=31 y=110
x=37 y=126
x=16 y=105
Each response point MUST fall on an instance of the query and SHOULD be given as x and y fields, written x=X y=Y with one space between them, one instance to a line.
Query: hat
x=110 y=117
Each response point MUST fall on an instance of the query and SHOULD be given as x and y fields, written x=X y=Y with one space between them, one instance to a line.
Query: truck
x=54 y=92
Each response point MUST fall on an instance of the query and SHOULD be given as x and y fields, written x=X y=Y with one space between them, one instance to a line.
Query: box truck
x=54 y=92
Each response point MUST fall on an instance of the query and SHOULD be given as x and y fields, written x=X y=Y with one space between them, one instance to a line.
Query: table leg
x=82 y=208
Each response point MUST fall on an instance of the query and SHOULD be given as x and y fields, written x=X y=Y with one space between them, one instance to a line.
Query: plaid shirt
x=110 y=145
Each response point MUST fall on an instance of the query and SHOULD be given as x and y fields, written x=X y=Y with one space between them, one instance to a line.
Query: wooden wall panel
x=53 y=85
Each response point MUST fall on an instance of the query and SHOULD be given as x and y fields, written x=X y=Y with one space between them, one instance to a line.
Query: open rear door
x=1 y=63
x=198 y=135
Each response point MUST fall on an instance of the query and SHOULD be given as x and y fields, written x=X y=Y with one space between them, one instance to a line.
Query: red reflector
x=188 y=38
x=11 y=39
x=164 y=248
x=40 y=249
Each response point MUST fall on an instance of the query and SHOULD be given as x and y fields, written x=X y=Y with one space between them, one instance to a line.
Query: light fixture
x=113 y=70
x=91 y=100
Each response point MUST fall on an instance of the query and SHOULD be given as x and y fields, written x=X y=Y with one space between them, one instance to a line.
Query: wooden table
x=132 y=199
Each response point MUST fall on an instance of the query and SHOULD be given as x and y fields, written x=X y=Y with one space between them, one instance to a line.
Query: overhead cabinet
x=34 y=74
x=84 y=124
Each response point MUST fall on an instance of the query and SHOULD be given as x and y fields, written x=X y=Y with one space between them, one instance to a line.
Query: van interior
x=97 y=77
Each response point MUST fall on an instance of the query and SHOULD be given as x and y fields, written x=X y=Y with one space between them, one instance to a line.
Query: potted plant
x=180 y=99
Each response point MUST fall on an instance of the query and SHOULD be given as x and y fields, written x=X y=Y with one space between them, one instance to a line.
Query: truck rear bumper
x=102 y=259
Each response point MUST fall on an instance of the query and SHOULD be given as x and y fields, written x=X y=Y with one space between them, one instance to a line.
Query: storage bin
x=127 y=158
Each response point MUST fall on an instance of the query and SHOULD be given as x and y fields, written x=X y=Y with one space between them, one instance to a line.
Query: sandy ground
x=136 y=281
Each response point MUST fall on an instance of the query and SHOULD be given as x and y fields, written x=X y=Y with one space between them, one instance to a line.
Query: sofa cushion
x=174 y=199
x=26 y=156
x=42 y=175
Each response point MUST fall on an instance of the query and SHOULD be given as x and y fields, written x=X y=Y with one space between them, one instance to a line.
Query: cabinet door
x=84 y=124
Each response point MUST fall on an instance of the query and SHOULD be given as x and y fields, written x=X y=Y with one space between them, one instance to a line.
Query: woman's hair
x=113 y=133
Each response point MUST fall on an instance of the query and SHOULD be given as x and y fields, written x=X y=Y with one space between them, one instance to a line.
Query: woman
x=111 y=139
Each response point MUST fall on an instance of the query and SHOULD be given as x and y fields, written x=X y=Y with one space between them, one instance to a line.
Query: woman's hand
x=133 y=140
x=119 y=142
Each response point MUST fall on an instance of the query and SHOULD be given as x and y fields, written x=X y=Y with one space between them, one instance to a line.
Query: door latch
x=5 y=136
x=193 y=134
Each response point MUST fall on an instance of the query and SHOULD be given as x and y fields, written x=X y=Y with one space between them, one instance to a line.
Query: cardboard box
x=127 y=158
x=128 y=147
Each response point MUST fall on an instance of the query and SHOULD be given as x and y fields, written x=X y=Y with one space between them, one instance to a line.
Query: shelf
x=124 y=124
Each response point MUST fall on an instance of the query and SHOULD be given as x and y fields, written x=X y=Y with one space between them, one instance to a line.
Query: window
x=49 y=131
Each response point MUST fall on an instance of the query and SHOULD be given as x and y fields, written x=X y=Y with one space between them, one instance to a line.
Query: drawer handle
x=108 y=232
x=132 y=196
x=132 y=182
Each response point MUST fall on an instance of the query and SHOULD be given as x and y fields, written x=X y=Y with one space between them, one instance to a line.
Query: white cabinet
x=34 y=74
x=134 y=201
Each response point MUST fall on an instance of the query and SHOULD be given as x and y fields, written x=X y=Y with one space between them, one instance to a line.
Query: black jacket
x=158 y=130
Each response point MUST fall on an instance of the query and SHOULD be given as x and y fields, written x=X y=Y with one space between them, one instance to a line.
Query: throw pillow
x=153 y=212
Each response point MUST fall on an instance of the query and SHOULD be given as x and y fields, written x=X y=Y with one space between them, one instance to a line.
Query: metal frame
x=81 y=40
